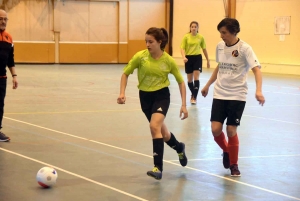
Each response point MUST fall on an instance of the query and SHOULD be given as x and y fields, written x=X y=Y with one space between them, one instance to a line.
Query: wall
x=86 y=31
x=256 y=19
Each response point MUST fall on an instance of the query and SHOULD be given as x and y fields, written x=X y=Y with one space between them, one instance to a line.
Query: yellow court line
x=78 y=111
x=66 y=112
x=149 y=156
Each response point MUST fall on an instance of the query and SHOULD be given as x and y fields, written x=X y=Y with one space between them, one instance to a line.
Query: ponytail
x=160 y=34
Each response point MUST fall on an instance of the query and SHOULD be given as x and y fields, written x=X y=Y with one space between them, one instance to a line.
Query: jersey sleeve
x=183 y=43
x=132 y=65
x=175 y=71
x=251 y=58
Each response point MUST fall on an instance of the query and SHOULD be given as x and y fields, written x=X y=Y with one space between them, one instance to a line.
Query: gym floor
x=66 y=117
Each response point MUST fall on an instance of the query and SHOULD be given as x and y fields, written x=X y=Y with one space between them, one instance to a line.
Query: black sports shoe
x=155 y=173
x=235 y=170
x=3 y=137
x=182 y=157
x=226 y=161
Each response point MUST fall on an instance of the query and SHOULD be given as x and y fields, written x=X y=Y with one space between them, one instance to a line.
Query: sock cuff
x=220 y=137
x=233 y=141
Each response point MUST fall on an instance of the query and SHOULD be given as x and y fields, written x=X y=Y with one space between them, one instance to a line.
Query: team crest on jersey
x=235 y=53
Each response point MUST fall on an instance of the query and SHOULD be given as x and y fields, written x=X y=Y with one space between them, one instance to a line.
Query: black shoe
x=182 y=157
x=226 y=161
x=155 y=173
x=235 y=170
x=3 y=137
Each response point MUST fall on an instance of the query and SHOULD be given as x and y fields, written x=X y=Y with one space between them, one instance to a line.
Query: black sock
x=191 y=87
x=196 y=88
x=174 y=144
x=158 y=153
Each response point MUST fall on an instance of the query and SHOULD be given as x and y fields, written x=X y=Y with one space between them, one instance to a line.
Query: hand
x=121 y=99
x=185 y=60
x=204 y=91
x=183 y=113
x=15 y=83
x=260 y=98
x=208 y=64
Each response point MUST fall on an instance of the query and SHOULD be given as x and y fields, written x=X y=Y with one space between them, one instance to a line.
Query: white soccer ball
x=46 y=177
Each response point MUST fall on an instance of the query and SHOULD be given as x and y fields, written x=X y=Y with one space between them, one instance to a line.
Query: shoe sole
x=5 y=140
x=235 y=175
x=157 y=178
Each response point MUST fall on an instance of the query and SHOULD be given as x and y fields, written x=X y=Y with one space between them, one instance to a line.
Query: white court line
x=76 y=175
x=289 y=122
x=271 y=119
x=170 y=162
x=270 y=156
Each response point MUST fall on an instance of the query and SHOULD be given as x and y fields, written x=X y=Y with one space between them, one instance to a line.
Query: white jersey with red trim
x=234 y=64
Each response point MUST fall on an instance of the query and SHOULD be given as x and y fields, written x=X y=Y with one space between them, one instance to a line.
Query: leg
x=218 y=115
x=233 y=144
x=156 y=123
x=235 y=111
x=233 y=148
x=196 y=75
x=190 y=83
x=179 y=147
x=3 y=81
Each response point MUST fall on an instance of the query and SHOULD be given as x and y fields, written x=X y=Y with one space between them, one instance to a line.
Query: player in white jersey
x=235 y=58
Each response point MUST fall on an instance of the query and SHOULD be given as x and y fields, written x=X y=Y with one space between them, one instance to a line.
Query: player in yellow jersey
x=191 y=46
x=154 y=65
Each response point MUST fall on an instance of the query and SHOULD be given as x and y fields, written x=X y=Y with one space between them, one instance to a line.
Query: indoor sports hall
x=69 y=58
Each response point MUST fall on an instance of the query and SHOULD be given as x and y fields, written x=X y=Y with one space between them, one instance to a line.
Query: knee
x=231 y=131
x=154 y=128
x=216 y=130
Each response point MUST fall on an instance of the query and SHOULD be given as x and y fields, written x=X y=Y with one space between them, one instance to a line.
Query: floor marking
x=76 y=175
x=272 y=119
x=170 y=162
x=270 y=156
x=245 y=115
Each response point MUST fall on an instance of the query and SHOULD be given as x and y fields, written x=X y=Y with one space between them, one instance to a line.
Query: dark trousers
x=3 y=84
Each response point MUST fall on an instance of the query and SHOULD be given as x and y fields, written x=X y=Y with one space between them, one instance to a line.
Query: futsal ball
x=46 y=177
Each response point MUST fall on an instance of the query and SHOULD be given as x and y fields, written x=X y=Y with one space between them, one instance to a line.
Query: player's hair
x=160 y=34
x=231 y=24
x=194 y=22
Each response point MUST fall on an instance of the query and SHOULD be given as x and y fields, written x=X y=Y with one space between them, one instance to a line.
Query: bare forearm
x=182 y=93
x=205 y=54
x=258 y=79
x=182 y=53
x=123 y=83
x=213 y=77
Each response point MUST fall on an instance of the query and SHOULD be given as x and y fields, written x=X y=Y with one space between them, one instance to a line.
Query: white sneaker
x=193 y=101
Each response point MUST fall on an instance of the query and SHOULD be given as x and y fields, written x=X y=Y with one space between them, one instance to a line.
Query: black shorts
x=230 y=109
x=194 y=63
x=155 y=102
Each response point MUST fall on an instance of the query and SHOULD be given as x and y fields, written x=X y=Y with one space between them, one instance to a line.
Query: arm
x=121 y=99
x=258 y=79
x=211 y=80
x=183 y=55
x=14 y=75
x=183 y=111
x=206 y=56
